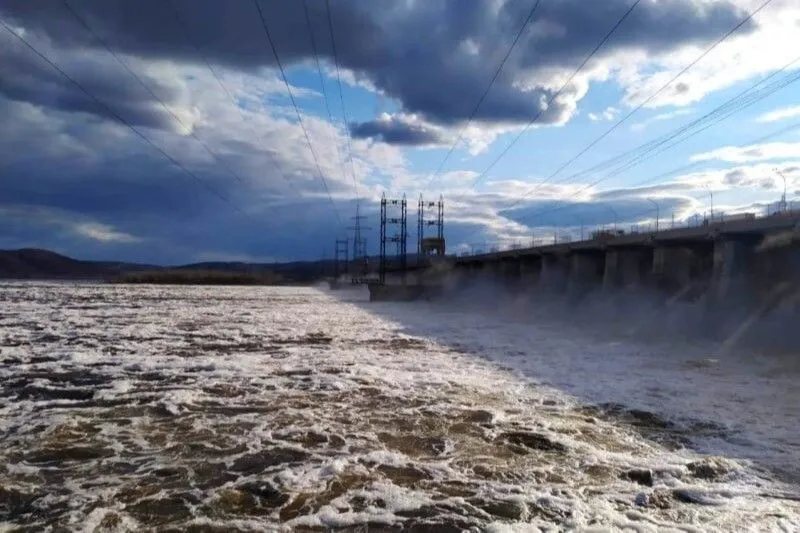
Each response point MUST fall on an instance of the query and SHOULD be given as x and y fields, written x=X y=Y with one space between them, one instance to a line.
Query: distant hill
x=297 y=271
x=32 y=263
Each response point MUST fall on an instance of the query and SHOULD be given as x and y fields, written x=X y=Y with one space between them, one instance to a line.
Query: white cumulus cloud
x=757 y=152
x=780 y=114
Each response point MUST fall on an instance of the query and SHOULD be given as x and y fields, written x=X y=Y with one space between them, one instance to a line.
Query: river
x=209 y=409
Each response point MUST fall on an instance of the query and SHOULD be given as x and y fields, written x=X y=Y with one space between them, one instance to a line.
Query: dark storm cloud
x=433 y=57
x=396 y=130
x=73 y=163
x=27 y=78
x=88 y=188
x=168 y=237
x=141 y=187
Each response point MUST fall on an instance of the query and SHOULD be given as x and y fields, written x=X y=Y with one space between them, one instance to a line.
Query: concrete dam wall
x=739 y=284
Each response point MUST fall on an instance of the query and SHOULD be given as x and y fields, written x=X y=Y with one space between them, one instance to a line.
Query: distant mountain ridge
x=32 y=263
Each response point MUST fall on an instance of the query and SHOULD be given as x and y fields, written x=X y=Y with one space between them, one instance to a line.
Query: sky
x=177 y=131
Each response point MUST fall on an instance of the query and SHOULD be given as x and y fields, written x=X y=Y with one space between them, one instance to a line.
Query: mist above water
x=691 y=360
x=742 y=319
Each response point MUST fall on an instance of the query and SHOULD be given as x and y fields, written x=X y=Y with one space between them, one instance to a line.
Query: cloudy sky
x=162 y=130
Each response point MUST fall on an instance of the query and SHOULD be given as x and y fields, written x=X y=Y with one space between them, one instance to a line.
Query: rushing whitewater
x=284 y=409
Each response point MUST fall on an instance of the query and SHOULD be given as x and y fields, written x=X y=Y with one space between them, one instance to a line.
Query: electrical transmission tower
x=342 y=258
x=400 y=239
x=360 y=256
x=427 y=246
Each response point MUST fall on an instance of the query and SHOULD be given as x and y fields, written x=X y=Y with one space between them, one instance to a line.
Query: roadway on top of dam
x=673 y=236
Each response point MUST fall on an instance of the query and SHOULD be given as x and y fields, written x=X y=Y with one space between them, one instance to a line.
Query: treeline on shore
x=180 y=276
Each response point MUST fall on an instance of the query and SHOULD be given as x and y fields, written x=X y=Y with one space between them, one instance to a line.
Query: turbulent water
x=271 y=409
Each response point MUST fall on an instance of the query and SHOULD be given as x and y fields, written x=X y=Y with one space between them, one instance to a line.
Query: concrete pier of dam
x=737 y=281
x=732 y=281
x=725 y=259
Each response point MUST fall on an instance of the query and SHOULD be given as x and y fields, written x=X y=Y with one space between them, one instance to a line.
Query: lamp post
x=616 y=216
x=711 y=194
x=783 y=198
x=658 y=211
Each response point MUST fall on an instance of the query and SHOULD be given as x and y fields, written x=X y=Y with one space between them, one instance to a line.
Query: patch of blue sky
x=542 y=150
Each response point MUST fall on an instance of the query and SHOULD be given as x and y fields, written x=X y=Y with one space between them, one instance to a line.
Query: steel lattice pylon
x=426 y=245
x=400 y=239
x=360 y=256
x=342 y=251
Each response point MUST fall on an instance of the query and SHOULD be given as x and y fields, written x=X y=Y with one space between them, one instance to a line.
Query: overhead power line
x=738 y=103
x=185 y=29
x=650 y=180
x=743 y=99
x=341 y=97
x=536 y=117
x=676 y=138
x=127 y=67
x=761 y=139
x=661 y=146
x=118 y=117
x=677 y=170
x=474 y=111
x=325 y=91
x=646 y=151
x=697 y=163
x=656 y=93
x=296 y=109
x=638 y=155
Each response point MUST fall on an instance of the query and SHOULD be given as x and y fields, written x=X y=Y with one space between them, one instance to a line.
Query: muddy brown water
x=260 y=409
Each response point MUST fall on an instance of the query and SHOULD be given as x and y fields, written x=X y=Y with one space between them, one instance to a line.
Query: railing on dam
x=775 y=215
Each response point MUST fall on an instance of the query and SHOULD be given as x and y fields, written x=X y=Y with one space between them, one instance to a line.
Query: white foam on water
x=94 y=521
x=273 y=408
